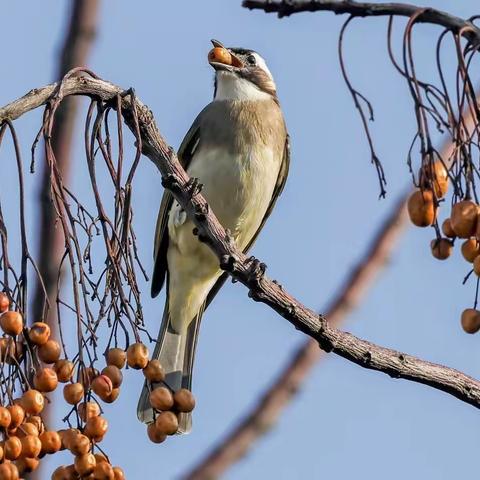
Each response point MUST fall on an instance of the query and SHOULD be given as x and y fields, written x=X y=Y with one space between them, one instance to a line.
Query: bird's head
x=240 y=74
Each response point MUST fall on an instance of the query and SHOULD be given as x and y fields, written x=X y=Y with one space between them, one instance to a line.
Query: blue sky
x=345 y=421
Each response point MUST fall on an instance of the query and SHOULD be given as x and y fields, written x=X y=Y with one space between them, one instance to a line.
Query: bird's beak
x=221 y=58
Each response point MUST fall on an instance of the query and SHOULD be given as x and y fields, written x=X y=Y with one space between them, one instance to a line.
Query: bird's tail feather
x=176 y=353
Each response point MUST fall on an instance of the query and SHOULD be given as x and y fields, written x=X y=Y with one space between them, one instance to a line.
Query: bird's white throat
x=233 y=87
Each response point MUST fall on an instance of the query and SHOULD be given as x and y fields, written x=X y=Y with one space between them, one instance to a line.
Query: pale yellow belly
x=239 y=190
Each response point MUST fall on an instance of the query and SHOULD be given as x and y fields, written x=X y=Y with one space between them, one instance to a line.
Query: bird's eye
x=251 y=60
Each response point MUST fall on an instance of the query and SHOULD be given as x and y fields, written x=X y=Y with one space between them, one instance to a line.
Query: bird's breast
x=237 y=185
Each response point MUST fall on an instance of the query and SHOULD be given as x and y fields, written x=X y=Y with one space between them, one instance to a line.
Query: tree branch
x=284 y=8
x=275 y=399
x=249 y=271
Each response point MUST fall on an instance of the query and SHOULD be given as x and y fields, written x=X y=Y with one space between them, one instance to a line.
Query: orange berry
x=183 y=400
x=154 y=434
x=79 y=444
x=441 y=248
x=39 y=333
x=73 y=393
x=84 y=464
x=161 y=398
x=102 y=385
x=112 y=396
x=64 y=370
x=167 y=423
x=470 y=249
x=12 y=448
x=17 y=415
x=11 y=322
x=88 y=410
x=154 y=371
x=103 y=471
x=114 y=374
x=421 y=208
x=471 y=320
x=137 y=356
x=5 y=417
x=31 y=446
x=45 y=379
x=116 y=357
x=27 y=464
x=434 y=176
x=118 y=473
x=4 y=302
x=464 y=218
x=32 y=402
x=37 y=421
x=447 y=229
x=25 y=429
x=95 y=428
x=51 y=441
x=49 y=352
x=220 y=55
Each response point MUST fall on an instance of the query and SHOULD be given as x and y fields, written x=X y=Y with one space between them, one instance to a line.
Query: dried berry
x=95 y=428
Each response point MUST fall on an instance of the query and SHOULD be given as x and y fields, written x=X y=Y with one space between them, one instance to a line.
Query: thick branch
x=248 y=271
x=284 y=8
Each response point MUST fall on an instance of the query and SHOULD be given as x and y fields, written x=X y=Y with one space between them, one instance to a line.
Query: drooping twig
x=249 y=271
x=76 y=47
x=284 y=8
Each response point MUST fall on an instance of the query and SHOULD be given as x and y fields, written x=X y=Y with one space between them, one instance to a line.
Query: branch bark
x=285 y=8
x=250 y=271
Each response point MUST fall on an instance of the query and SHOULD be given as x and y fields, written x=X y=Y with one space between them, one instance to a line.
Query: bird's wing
x=185 y=154
x=281 y=180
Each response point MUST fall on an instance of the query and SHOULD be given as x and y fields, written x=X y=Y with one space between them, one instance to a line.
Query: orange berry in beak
x=220 y=55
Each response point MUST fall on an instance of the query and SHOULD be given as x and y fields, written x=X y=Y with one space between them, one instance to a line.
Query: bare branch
x=76 y=47
x=284 y=8
x=250 y=271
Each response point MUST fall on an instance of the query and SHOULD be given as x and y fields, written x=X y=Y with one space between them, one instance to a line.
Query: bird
x=239 y=150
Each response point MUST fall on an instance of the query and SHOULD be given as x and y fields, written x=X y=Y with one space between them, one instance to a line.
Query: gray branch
x=249 y=271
